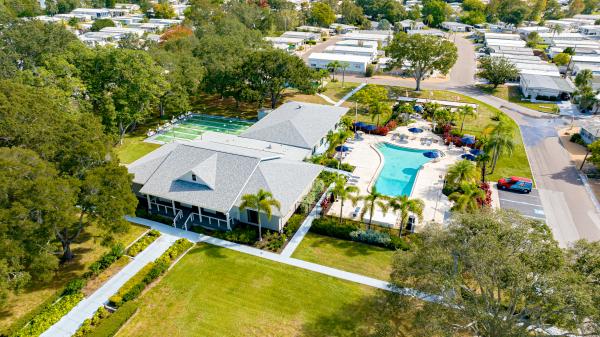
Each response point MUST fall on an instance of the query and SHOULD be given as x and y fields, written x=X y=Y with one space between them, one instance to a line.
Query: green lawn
x=516 y=164
x=87 y=249
x=134 y=148
x=512 y=94
x=214 y=291
x=350 y=256
x=335 y=91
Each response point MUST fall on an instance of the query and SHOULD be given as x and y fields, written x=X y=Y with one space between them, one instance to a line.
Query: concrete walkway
x=304 y=228
x=69 y=324
x=348 y=95
x=340 y=274
x=329 y=100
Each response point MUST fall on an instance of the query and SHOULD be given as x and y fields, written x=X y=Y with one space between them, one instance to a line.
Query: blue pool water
x=400 y=168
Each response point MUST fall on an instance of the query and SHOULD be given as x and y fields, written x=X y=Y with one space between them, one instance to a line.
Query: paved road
x=571 y=209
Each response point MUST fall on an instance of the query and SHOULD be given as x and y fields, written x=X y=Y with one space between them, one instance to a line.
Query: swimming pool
x=400 y=168
x=192 y=127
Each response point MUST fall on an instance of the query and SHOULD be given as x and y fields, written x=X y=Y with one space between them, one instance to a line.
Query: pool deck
x=428 y=184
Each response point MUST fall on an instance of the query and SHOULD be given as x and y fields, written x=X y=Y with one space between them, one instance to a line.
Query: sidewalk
x=69 y=324
x=304 y=228
x=194 y=237
x=348 y=95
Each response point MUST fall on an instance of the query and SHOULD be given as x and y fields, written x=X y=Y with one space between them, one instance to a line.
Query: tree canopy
x=425 y=54
x=497 y=70
x=497 y=273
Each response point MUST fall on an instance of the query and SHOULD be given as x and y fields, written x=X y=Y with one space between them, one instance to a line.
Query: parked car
x=517 y=184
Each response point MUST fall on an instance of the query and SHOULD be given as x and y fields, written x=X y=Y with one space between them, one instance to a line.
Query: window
x=252 y=216
x=193 y=177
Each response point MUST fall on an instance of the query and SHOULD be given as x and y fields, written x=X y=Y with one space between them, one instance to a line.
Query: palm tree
x=483 y=158
x=464 y=112
x=378 y=109
x=467 y=198
x=344 y=191
x=344 y=66
x=500 y=142
x=373 y=200
x=461 y=172
x=556 y=28
x=405 y=206
x=333 y=66
x=261 y=202
x=337 y=138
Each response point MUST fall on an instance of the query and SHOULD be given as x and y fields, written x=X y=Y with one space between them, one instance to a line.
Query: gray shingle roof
x=296 y=124
x=224 y=174
x=287 y=180
x=548 y=82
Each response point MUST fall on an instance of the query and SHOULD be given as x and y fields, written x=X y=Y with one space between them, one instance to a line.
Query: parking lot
x=527 y=204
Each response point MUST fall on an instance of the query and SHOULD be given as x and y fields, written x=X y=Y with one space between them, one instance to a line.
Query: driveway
x=571 y=209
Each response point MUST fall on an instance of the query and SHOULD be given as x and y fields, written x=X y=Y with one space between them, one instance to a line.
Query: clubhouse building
x=201 y=183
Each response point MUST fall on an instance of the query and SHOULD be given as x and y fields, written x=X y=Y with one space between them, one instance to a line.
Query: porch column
x=173 y=204
x=149 y=206
x=227 y=217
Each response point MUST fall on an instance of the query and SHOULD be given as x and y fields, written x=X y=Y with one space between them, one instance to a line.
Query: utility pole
x=588 y=151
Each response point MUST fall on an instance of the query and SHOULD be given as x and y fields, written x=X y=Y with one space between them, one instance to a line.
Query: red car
x=518 y=184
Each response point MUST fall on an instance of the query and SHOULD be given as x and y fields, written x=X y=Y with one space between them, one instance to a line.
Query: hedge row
x=134 y=287
x=108 y=327
x=50 y=315
x=352 y=231
x=141 y=244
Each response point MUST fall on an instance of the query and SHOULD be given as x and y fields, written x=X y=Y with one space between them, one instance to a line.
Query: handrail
x=178 y=216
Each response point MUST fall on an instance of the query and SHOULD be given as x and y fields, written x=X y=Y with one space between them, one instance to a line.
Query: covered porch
x=186 y=216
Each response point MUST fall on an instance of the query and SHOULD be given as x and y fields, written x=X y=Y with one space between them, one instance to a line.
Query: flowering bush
x=488 y=195
x=391 y=125
x=381 y=131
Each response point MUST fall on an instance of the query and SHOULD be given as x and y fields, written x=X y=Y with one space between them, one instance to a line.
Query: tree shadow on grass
x=208 y=250
x=371 y=315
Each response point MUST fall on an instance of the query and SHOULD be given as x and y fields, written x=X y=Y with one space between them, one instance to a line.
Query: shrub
x=74 y=286
x=377 y=238
x=577 y=139
x=371 y=237
x=243 y=235
x=487 y=201
x=391 y=125
x=132 y=288
x=330 y=227
x=112 y=324
x=142 y=213
x=370 y=70
x=272 y=241
x=50 y=315
x=381 y=131
x=106 y=260
x=143 y=242
x=293 y=223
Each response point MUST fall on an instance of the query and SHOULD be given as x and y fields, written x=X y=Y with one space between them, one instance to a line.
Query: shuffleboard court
x=193 y=127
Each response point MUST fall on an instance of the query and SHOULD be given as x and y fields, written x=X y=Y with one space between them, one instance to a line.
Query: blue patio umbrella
x=342 y=148
x=431 y=154
x=468 y=139
x=369 y=127
x=476 y=152
x=418 y=108
x=415 y=130
x=468 y=156
x=359 y=125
